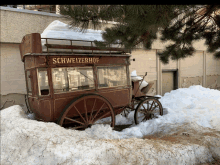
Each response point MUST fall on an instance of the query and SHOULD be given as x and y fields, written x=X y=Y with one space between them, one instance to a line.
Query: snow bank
x=195 y=110
x=26 y=141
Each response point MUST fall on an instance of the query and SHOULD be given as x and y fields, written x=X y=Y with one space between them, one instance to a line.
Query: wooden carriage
x=74 y=82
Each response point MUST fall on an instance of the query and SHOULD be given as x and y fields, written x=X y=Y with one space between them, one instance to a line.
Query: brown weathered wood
x=31 y=43
x=50 y=107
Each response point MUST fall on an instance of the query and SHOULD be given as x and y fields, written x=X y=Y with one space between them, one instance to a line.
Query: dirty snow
x=194 y=110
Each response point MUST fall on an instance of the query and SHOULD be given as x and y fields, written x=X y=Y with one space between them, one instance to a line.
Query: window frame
x=30 y=77
x=101 y=66
x=77 y=90
x=39 y=90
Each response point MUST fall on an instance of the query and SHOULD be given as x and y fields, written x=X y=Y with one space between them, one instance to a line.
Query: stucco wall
x=15 y=24
x=199 y=69
x=12 y=70
x=189 y=81
x=171 y=65
x=212 y=65
x=145 y=61
x=192 y=66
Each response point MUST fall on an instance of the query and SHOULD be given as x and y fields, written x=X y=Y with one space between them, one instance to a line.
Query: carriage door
x=45 y=106
x=169 y=81
x=30 y=86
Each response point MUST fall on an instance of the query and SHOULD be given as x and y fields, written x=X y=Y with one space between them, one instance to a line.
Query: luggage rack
x=93 y=48
x=33 y=44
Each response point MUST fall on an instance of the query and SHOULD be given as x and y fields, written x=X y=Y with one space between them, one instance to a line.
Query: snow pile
x=135 y=78
x=193 y=110
x=195 y=104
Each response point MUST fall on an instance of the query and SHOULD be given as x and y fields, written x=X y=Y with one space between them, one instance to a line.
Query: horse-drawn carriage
x=77 y=85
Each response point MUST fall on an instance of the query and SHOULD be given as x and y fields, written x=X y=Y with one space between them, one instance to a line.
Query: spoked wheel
x=85 y=111
x=148 y=109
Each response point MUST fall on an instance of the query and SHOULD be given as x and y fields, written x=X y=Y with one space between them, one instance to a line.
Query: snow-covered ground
x=188 y=134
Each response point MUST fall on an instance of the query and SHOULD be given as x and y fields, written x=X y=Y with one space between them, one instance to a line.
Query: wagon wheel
x=148 y=109
x=86 y=110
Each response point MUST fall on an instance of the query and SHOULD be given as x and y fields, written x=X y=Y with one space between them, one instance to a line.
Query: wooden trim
x=179 y=72
x=159 y=74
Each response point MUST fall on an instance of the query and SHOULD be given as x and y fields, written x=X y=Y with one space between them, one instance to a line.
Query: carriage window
x=112 y=76
x=43 y=81
x=71 y=79
x=29 y=82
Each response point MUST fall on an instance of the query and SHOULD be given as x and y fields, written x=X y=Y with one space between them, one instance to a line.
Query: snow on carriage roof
x=62 y=33
x=60 y=30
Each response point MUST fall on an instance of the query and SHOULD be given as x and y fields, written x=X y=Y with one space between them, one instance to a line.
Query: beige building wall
x=212 y=72
x=199 y=69
x=12 y=70
x=145 y=61
x=192 y=70
x=192 y=66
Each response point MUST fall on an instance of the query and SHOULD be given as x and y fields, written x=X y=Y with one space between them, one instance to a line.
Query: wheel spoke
x=155 y=107
x=67 y=118
x=98 y=111
x=101 y=117
x=151 y=105
x=79 y=113
x=85 y=110
x=143 y=107
x=144 y=119
x=92 y=110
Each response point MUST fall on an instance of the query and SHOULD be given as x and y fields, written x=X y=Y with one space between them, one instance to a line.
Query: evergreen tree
x=137 y=24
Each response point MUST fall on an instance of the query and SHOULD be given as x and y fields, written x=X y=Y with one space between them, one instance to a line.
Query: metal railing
x=78 y=47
